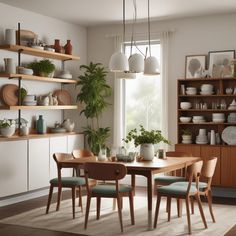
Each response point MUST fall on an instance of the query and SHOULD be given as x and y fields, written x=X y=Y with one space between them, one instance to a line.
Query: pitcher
x=10 y=67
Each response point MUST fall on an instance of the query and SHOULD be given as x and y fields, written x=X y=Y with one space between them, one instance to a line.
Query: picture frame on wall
x=194 y=66
x=220 y=63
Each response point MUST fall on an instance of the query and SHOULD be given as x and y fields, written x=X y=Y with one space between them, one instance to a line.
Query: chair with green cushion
x=182 y=192
x=64 y=182
x=112 y=172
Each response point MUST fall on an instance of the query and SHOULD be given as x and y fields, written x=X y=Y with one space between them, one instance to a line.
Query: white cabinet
x=13 y=167
x=58 y=144
x=38 y=163
x=75 y=142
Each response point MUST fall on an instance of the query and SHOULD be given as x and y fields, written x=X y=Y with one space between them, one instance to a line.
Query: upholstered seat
x=166 y=179
x=68 y=181
x=110 y=189
x=201 y=185
x=176 y=189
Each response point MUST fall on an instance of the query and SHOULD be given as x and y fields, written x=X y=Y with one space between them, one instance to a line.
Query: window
x=142 y=100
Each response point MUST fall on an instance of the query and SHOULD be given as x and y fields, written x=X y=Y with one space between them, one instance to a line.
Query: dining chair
x=64 y=182
x=183 y=192
x=207 y=173
x=112 y=172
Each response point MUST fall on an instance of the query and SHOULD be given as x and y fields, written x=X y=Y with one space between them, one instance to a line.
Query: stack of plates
x=232 y=118
x=30 y=100
x=198 y=119
x=33 y=103
x=218 y=117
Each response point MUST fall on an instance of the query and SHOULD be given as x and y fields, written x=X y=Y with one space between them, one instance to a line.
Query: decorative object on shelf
x=191 y=91
x=202 y=137
x=218 y=141
x=194 y=66
x=43 y=68
x=41 y=125
x=207 y=89
x=231 y=118
x=68 y=47
x=10 y=36
x=63 y=97
x=27 y=37
x=24 y=130
x=229 y=135
x=185 y=119
x=146 y=139
x=7 y=127
x=9 y=94
x=220 y=63
x=182 y=89
x=57 y=130
x=68 y=125
x=49 y=48
x=43 y=101
x=25 y=71
x=57 y=46
x=186 y=136
x=64 y=74
x=185 y=105
x=228 y=90
x=218 y=117
x=10 y=67
x=234 y=90
x=199 y=119
x=30 y=100
x=213 y=137
x=232 y=105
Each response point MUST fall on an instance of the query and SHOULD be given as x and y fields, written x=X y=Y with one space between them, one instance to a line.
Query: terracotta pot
x=57 y=46
x=68 y=48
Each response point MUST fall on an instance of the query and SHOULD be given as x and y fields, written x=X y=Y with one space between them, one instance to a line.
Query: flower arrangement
x=7 y=123
x=145 y=136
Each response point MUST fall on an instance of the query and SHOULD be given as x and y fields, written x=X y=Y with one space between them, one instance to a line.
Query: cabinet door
x=58 y=144
x=13 y=167
x=208 y=152
x=38 y=163
x=228 y=166
x=193 y=149
x=75 y=142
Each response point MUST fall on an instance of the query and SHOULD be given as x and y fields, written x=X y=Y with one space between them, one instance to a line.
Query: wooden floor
x=14 y=209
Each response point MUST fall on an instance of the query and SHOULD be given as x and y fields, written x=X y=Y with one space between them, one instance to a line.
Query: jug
x=10 y=67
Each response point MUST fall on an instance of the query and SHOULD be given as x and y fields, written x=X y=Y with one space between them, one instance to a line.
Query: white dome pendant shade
x=151 y=66
x=118 y=62
x=136 y=63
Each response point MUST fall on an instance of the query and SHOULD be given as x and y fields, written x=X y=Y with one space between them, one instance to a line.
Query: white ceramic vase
x=147 y=151
x=8 y=131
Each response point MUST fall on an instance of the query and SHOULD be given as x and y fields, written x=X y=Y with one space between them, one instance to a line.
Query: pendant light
x=151 y=65
x=118 y=61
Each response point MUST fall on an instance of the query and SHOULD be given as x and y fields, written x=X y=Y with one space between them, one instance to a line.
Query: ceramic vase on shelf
x=10 y=36
x=68 y=48
x=57 y=46
x=41 y=125
x=213 y=137
x=147 y=151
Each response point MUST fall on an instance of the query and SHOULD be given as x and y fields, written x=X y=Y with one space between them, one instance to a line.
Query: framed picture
x=219 y=64
x=194 y=64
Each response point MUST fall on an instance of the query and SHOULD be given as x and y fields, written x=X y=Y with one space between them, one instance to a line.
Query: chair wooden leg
x=188 y=215
x=49 y=198
x=131 y=205
x=201 y=210
x=120 y=212
x=192 y=205
x=98 y=207
x=73 y=192
x=209 y=199
x=114 y=204
x=157 y=210
x=179 y=207
x=87 y=211
x=80 y=198
x=59 y=198
x=169 y=207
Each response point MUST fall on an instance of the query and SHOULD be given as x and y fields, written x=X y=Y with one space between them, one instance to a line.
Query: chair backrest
x=209 y=167
x=178 y=154
x=104 y=171
x=80 y=153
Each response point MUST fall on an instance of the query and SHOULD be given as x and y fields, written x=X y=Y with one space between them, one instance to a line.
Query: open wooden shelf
x=38 y=52
x=207 y=123
x=38 y=78
x=205 y=79
x=207 y=110
x=213 y=95
x=59 y=107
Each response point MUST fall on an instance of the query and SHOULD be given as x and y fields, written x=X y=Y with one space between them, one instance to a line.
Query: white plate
x=229 y=135
x=206 y=93
x=201 y=142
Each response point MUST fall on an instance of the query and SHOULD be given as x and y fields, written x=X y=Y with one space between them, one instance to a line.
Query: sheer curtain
x=118 y=99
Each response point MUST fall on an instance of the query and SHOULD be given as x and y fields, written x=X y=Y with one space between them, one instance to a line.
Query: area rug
x=109 y=224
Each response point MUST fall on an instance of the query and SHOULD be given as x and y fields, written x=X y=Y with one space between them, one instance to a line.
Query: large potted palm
x=93 y=95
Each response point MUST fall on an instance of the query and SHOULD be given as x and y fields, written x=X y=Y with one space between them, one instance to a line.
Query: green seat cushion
x=176 y=189
x=201 y=185
x=73 y=181
x=165 y=179
x=110 y=189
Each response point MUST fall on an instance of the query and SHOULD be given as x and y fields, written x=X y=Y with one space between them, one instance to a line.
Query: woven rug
x=109 y=223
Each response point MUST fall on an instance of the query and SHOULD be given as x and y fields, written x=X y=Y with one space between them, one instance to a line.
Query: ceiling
x=100 y=12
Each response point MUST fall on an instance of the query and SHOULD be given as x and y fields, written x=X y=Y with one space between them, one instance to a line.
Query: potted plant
x=146 y=139
x=93 y=94
x=7 y=127
x=186 y=136
x=43 y=68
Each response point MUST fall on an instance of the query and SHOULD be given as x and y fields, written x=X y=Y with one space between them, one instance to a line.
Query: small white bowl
x=185 y=119
x=185 y=105
x=8 y=131
x=190 y=92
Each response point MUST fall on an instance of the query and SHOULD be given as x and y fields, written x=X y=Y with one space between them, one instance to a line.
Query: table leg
x=149 y=197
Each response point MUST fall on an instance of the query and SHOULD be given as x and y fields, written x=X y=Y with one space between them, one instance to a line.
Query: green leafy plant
x=42 y=68
x=93 y=95
x=145 y=136
x=7 y=123
x=186 y=132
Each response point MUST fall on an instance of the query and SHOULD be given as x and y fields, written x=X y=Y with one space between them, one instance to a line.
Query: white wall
x=197 y=35
x=47 y=29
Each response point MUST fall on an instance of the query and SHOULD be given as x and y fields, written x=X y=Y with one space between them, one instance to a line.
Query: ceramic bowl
x=25 y=71
x=206 y=87
x=185 y=105
x=185 y=119
x=8 y=131
x=191 y=92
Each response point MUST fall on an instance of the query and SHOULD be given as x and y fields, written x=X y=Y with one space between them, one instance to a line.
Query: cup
x=10 y=36
x=10 y=67
x=161 y=153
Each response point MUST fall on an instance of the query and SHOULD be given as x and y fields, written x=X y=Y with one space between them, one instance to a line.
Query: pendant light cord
x=123 y=24
x=149 y=34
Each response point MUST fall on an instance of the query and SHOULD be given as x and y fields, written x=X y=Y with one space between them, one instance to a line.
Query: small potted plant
x=7 y=127
x=186 y=136
x=43 y=68
x=146 y=139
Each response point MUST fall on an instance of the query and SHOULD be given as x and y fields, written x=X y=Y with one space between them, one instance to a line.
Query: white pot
x=8 y=131
x=68 y=125
x=147 y=151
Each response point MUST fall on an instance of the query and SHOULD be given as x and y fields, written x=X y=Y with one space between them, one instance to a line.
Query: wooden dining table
x=143 y=168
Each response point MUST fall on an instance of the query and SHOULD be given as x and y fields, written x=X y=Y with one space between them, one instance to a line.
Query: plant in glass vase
x=146 y=139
